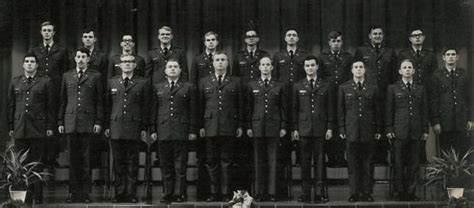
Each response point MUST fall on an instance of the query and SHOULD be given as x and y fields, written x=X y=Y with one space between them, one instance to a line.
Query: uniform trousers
x=174 y=160
x=219 y=159
x=359 y=161
x=265 y=159
x=125 y=159
x=79 y=171
x=311 y=152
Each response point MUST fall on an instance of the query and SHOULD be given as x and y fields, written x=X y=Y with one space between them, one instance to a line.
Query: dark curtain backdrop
x=445 y=22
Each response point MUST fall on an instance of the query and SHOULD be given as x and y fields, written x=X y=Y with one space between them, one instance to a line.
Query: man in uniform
x=360 y=125
x=336 y=66
x=80 y=117
x=174 y=122
x=222 y=121
x=203 y=63
x=379 y=62
x=451 y=103
x=424 y=62
x=312 y=122
x=128 y=47
x=53 y=61
x=266 y=124
x=30 y=116
x=157 y=58
x=289 y=68
x=127 y=113
x=406 y=126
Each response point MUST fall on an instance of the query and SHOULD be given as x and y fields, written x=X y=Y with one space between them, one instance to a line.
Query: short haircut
x=403 y=61
x=83 y=50
x=210 y=33
x=127 y=55
x=126 y=34
x=221 y=52
x=88 y=30
x=356 y=62
x=47 y=23
x=173 y=60
x=271 y=60
x=30 y=55
x=167 y=28
x=373 y=27
x=413 y=29
x=311 y=57
x=450 y=48
x=334 y=35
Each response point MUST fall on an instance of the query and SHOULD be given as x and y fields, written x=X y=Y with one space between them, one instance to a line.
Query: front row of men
x=177 y=111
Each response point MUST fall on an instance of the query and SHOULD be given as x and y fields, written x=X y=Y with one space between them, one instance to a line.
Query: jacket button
x=27 y=92
x=171 y=115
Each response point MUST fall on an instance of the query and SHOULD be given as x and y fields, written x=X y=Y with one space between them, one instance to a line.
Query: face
x=127 y=43
x=450 y=57
x=220 y=63
x=29 y=64
x=376 y=36
x=406 y=69
x=335 y=44
x=172 y=69
x=165 y=36
x=82 y=59
x=127 y=64
x=358 y=69
x=88 y=39
x=211 y=42
x=265 y=66
x=310 y=67
x=47 y=32
x=251 y=37
x=291 y=37
x=417 y=37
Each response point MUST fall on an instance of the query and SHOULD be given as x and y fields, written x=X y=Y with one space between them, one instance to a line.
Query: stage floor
x=55 y=195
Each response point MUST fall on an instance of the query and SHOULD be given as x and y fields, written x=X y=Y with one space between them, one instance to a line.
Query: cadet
x=203 y=63
x=222 y=121
x=406 y=126
x=246 y=63
x=174 y=122
x=266 y=124
x=80 y=117
x=336 y=67
x=30 y=116
x=360 y=124
x=128 y=47
x=127 y=121
x=450 y=98
x=312 y=122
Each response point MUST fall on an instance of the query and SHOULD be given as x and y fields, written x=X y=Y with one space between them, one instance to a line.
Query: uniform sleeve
x=51 y=101
x=202 y=104
x=434 y=96
x=154 y=110
x=240 y=100
x=11 y=106
x=249 y=106
x=294 y=103
x=193 y=109
x=63 y=101
x=330 y=107
x=108 y=105
x=389 y=111
x=145 y=103
x=379 y=111
x=99 y=100
x=284 y=107
x=341 y=110
x=425 y=112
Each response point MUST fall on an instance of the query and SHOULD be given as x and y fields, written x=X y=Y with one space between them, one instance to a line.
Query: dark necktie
x=418 y=53
x=29 y=79
x=125 y=83
x=219 y=80
x=251 y=54
x=311 y=83
x=47 y=48
x=266 y=83
x=359 y=85
x=81 y=73
x=453 y=77
x=210 y=56
x=291 y=54
x=377 y=49
x=165 y=51
x=172 y=85
x=409 y=86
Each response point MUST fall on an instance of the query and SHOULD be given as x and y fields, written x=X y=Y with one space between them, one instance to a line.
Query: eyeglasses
x=128 y=61
x=251 y=36
x=416 y=35
x=127 y=40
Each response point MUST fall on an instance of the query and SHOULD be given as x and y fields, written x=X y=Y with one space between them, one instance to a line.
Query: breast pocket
x=38 y=95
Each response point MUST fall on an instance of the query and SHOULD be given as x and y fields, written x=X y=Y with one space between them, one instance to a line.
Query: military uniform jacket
x=289 y=70
x=81 y=101
x=114 y=66
x=424 y=65
x=381 y=68
x=312 y=108
x=246 y=67
x=97 y=61
x=127 y=109
x=174 y=111
x=202 y=67
x=359 y=115
x=156 y=63
x=450 y=99
x=266 y=108
x=221 y=106
x=406 y=111
x=30 y=113
x=336 y=67
x=53 y=63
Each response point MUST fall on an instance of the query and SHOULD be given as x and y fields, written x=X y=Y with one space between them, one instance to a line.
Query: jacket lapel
x=177 y=86
x=85 y=76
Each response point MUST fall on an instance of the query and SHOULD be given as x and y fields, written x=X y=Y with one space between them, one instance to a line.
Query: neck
x=251 y=47
x=49 y=41
x=173 y=79
x=127 y=74
x=220 y=73
x=291 y=47
x=91 y=47
x=210 y=50
x=407 y=79
x=312 y=76
x=417 y=46
x=129 y=52
x=30 y=74
x=266 y=76
x=335 y=51
x=165 y=45
x=82 y=68
x=359 y=79
x=450 y=66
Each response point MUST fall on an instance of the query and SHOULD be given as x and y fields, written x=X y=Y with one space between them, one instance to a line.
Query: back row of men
x=261 y=98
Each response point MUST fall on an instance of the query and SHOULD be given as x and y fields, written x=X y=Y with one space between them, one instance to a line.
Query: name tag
x=256 y=91
x=302 y=91
x=282 y=61
x=242 y=62
x=159 y=93
x=113 y=89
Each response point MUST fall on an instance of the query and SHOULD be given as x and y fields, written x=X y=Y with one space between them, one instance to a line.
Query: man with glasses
x=157 y=58
x=127 y=113
x=336 y=67
x=128 y=47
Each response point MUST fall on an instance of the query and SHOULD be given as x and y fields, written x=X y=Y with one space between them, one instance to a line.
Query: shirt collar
x=127 y=76
x=291 y=49
x=32 y=76
x=50 y=44
x=175 y=81
x=414 y=49
x=406 y=82
x=217 y=76
x=163 y=47
x=267 y=78
x=84 y=70
x=361 y=81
